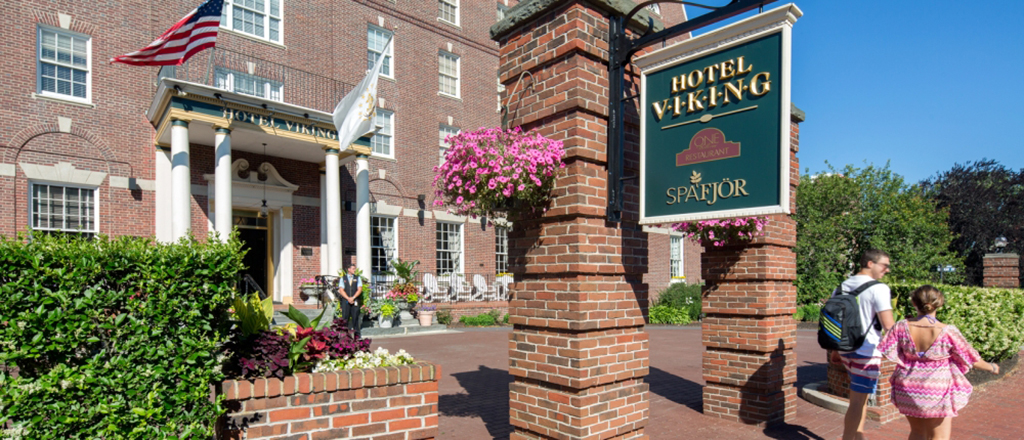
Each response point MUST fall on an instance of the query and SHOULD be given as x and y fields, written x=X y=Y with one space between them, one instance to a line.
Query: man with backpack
x=851 y=326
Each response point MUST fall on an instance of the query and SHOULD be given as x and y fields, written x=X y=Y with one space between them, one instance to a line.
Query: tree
x=842 y=214
x=985 y=200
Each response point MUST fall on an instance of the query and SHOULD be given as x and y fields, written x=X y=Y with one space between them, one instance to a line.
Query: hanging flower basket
x=494 y=172
x=718 y=233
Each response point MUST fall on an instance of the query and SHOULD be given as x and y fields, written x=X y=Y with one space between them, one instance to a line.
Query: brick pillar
x=1002 y=270
x=749 y=332
x=578 y=351
x=880 y=407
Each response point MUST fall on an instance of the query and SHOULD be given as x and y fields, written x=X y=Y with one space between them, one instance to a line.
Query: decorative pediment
x=274 y=179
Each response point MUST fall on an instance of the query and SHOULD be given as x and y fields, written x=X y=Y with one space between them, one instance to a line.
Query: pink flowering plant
x=490 y=171
x=720 y=232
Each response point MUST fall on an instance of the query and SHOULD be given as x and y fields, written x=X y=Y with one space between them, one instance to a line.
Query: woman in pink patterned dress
x=931 y=358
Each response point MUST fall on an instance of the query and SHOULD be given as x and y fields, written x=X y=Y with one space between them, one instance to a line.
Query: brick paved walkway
x=474 y=392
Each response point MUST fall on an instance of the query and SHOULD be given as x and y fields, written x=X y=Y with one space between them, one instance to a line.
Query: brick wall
x=1002 y=270
x=379 y=403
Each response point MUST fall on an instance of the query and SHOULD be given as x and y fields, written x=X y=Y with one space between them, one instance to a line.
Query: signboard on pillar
x=715 y=123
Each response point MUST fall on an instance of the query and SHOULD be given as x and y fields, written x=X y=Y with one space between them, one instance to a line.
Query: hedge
x=112 y=338
x=989 y=317
x=679 y=303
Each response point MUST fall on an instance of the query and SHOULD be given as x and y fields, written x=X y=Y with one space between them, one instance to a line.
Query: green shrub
x=989 y=317
x=113 y=338
x=669 y=315
x=808 y=313
x=496 y=314
x=505 y=319
x=444 y=317
x=481 y=320
x=682 y=296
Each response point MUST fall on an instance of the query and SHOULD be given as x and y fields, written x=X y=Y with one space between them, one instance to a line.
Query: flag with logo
x=354 y=115
x=190 y=35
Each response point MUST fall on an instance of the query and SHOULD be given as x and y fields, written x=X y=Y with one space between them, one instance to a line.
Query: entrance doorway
x=254 y=232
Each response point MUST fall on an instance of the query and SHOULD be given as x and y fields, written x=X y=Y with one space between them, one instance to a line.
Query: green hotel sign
x=715 y=123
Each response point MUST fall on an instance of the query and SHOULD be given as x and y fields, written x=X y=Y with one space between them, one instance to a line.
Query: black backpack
x=839 y=327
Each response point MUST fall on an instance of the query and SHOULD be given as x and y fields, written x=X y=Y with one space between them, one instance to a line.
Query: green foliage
x=989 y=317
x=849 y=211
x=505 y=319
x=404 y=270
x=481 y=320
x=113 y=338
x=496 y=314
x=808 y=313
x=682 y=296
x=663 y=314
x=444 y=317
x=324 y=319
x=254 y=316
x=985 y=200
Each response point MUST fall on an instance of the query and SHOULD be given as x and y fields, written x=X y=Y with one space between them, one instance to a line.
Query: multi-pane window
x=244 y=83
x=675 y=259
x=383 y=243
x=63 y=64
x=448 y=10
x=63 y=208
x=259 y=18
x=382 y=141
x=442 y=134
x=449 y=248
x=501 y=249
x=376 y=40
x=448 y=69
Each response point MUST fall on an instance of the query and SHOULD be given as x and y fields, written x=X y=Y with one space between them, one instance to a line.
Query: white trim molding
x=63 y=172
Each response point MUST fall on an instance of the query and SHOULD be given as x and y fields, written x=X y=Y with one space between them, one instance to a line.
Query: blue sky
x=923 y=85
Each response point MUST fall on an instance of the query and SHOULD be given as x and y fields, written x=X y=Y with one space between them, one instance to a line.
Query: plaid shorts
x=864 y=371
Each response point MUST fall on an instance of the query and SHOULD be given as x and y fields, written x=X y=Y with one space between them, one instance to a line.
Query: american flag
x=195 y=32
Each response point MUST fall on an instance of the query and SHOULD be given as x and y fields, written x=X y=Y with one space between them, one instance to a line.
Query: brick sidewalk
x=474 y=392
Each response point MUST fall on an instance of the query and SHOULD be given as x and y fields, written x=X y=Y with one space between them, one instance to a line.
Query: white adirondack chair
x=501 y=287
x=430 y=290
x=462 y=290
x=483 y=291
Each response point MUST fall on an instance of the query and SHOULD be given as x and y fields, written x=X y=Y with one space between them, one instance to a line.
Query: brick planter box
x=384 y=403
x=880 y=407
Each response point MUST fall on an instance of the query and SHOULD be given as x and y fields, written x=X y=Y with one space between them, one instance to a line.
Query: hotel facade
x=241 y=136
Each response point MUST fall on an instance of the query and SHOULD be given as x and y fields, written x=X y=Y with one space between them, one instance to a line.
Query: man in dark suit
x=351 y=294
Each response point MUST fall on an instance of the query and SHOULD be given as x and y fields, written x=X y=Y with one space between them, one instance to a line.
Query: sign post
x=714 y=124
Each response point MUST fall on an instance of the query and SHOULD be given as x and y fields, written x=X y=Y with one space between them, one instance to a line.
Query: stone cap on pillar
x=528 y=10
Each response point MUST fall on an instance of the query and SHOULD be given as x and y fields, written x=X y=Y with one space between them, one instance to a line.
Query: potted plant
x=719 y=233
x=307 y=290
x=425 y=314
x=494 y=172
x=385 y=310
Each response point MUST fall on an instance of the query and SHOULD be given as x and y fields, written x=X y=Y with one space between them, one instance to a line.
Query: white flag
x=354 y=115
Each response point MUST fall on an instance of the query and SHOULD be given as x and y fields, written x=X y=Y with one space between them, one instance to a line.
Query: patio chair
x=483 y=291
x=430 y=289
x=460 y=289
x=501 y=287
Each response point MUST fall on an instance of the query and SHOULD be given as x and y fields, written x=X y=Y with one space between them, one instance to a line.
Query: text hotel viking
x=710 y=144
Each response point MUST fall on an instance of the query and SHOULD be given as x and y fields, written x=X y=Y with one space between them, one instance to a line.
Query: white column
x=363 y=214
x=286 y=285
x=333 y=204
x=181 y=181
x=164 y=187
x=222 y=214
x=323 y=225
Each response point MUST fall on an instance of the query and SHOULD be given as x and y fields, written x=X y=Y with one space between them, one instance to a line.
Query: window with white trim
x=501 y=249
x=448 y=10
x=443 y=132
x=63 y=208
x=448 y=73
x=654 y=8
x=382 y=141
x=239 y=82
x=449 y=248
x=675 y=259
x=383 y=243
x=376 y=40
x=64 y=64
x=259 y=18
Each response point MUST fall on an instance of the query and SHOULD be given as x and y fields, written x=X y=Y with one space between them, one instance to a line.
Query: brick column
x=1002 y=270
x=880 y=406
x=748 y=332
x=578 y=351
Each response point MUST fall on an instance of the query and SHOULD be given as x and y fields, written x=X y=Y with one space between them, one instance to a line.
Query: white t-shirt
x=875 y=299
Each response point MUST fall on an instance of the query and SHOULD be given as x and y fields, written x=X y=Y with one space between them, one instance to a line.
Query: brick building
x=86 y=146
